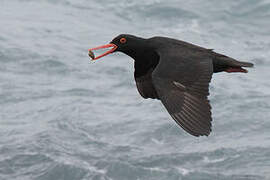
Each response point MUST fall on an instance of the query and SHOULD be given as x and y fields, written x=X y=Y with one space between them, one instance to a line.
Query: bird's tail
x=228 y=64
x=237 y=66
x=242 y=64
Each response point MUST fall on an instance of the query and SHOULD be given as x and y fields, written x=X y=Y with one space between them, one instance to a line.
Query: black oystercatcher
x=177 y=73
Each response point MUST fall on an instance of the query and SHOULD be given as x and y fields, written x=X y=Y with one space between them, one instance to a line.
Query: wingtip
x=200 y=134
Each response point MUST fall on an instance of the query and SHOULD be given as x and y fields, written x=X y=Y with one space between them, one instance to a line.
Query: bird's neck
x=147 y=60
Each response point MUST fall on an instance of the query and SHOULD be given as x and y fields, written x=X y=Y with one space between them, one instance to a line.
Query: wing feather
x=182 y=85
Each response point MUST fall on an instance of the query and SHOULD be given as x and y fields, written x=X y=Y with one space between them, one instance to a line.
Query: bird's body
x=177 y=73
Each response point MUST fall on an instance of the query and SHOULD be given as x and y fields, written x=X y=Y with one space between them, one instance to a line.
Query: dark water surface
x=64 y=118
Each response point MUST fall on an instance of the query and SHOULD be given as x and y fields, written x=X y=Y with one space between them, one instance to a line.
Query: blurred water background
x=65 y=118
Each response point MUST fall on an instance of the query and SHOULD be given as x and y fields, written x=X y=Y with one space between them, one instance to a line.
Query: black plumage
x=177 y=73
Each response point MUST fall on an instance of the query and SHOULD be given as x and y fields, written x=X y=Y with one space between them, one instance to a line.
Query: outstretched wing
x=181 y=80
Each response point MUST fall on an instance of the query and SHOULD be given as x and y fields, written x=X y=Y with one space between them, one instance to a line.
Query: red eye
x=123 y=40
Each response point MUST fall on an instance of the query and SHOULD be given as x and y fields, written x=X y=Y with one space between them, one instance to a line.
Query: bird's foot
x=237 y=69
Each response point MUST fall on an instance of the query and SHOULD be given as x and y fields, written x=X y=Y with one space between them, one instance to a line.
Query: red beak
x=114 y=47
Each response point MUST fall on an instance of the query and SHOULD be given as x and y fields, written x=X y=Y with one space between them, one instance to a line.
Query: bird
x=177 y=73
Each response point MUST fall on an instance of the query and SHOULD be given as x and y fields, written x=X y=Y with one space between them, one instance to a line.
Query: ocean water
x=63 y=117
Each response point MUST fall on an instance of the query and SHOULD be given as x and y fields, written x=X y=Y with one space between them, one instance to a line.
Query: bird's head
x=128 y=44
